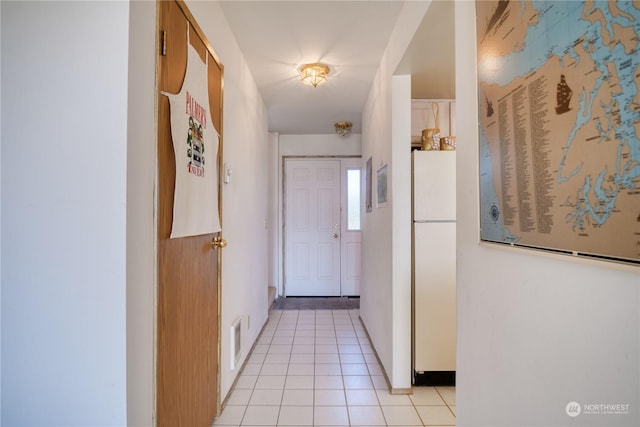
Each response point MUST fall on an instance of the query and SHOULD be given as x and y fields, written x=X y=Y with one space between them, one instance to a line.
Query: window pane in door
x=353 y=199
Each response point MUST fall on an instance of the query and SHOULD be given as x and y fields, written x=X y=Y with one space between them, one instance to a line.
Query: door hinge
x=163 y=43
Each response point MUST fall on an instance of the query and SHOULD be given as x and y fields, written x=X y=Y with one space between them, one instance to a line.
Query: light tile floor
x=317 y=367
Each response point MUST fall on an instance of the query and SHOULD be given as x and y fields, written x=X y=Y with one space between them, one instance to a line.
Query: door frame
x=156 y=235
x=283 y=213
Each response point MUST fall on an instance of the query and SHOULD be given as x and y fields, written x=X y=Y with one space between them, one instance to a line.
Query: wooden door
x=312 y=227
x=187 y=368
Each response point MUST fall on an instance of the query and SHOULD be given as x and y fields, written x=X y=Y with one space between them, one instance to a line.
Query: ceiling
x=276 y=37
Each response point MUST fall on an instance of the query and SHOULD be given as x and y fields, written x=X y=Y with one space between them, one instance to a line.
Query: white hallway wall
x=385 y=302
x=141 y=225
x=535 y=331
x=64 y=154
x=245 y=215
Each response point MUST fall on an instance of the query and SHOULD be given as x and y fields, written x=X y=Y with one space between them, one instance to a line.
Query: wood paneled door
x=187 y=356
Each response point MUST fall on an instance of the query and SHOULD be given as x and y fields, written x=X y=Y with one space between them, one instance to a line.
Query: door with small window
x=322 y=216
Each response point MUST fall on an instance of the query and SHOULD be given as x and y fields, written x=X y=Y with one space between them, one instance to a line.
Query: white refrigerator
x=434 y=267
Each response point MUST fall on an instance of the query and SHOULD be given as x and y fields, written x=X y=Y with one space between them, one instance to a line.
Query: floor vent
x=236 y=341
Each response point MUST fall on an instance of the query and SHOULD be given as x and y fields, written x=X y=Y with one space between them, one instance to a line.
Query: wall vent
x=236 y=341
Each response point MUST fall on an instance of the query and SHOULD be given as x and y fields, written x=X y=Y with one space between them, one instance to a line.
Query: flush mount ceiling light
x=314 y=74
x=343 y=128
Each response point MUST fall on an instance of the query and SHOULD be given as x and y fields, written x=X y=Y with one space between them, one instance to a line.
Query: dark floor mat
x=316 y=303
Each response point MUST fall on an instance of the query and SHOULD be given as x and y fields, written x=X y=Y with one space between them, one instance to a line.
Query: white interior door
x=312 y=227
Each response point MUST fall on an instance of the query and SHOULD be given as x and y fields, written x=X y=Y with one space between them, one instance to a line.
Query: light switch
x=227 y=174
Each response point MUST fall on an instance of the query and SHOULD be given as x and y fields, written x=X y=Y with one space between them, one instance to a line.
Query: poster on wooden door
x=195 y=143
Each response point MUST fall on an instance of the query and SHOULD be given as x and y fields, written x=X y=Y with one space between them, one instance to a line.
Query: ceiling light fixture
x=343 y=128
x=314 y=74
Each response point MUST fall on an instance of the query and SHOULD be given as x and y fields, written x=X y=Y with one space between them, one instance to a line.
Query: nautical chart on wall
x=559 y=117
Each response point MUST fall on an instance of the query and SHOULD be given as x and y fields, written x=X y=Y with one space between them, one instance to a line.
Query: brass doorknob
x=218 y=243
x=335 y=235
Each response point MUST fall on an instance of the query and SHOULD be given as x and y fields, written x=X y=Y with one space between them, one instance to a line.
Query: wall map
x=559 y=117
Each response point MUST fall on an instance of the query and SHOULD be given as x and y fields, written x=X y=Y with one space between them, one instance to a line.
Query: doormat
x=316 y=303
